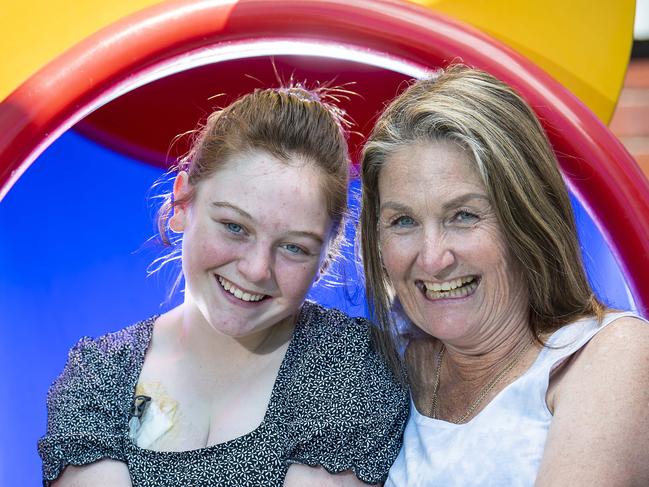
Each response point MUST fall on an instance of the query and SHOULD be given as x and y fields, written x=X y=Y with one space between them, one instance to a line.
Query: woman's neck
x=474 y=358
x=478 y=366
x=468 y=366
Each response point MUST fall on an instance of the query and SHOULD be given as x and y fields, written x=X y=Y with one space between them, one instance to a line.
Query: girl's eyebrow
x=312 y=235
x=297 y=233
x=225 y=204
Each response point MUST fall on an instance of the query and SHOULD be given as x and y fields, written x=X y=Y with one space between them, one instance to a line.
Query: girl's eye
x=234 y=228
x=464 y=216
x=295 y=249
x=403 y=221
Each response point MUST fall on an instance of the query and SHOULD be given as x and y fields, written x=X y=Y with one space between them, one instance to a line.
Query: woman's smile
x=450 y=289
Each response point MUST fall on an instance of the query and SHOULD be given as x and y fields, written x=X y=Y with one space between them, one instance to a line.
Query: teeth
x=238 y=293
x=448 y=285
x=457 y=288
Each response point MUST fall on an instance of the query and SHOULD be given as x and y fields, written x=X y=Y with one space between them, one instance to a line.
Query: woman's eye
x=464 y=216
x=403 y=221
x=295 y=249
x=234 y=228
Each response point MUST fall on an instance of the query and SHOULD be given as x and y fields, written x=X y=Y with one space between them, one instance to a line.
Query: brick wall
x=631 y=117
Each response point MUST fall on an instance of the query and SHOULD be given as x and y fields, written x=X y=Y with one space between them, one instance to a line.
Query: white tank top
x=502 y=445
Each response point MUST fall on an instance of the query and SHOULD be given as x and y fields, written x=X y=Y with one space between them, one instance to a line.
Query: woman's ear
x=181 y=190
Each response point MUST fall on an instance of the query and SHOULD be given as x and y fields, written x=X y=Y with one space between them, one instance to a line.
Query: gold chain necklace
x=434 y=404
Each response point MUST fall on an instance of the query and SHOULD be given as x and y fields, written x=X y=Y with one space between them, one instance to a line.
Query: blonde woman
x=520 y=376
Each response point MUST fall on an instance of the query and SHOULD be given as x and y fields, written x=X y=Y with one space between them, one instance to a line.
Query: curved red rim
x=597 y=167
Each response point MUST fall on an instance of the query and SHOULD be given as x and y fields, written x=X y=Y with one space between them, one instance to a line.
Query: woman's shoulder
x=600 y=404
x=623 y=337
x=615 y=357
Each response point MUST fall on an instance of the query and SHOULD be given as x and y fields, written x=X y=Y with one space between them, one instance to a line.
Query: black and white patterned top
x=334 y=404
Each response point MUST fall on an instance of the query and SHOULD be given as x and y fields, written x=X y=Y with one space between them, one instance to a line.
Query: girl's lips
x=238 y=292
x=239 y=296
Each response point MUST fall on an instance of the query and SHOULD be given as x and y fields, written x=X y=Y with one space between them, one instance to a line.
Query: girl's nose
x=256 y=265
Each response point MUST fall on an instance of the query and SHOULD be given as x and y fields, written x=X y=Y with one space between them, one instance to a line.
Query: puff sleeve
x=352 y=414
x=87 y=416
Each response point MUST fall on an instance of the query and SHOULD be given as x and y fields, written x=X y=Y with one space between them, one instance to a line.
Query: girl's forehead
x=256 y=165
x=267 y=188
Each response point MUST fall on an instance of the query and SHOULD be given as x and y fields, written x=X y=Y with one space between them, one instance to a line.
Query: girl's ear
x=324 y=265
x=177 y=221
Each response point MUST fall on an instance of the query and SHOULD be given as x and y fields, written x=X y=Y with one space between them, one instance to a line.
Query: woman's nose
x=435 y=255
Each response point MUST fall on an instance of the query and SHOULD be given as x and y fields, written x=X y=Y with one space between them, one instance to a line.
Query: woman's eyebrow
x=392 y=205
x=463 y=199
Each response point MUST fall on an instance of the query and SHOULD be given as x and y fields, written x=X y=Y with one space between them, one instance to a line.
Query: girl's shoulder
x=340 y=349
x=345 y=408
x=117 y=346
x=329 y=336
x=88 y=403
x=106 y=363
x=318 y=322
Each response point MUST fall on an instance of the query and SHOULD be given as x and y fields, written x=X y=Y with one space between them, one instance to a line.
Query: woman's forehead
x=429 y=167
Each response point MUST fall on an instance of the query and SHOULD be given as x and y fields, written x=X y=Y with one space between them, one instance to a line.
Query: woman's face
x=254 y=238
x=442 y=246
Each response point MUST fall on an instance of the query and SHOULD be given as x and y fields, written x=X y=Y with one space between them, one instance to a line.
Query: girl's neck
x=189 y=334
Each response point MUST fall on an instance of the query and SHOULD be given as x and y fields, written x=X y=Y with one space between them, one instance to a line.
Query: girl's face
x=255 y=235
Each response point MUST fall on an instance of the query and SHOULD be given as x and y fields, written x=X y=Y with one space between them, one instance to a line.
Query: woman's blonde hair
x=520 y=173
